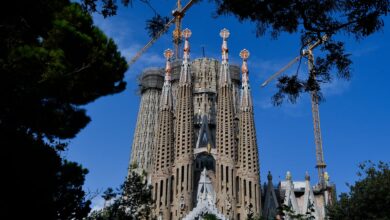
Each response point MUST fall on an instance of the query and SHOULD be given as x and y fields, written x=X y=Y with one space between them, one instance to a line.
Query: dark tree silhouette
x=368 y=198
x=53 y=60
x=312 y=19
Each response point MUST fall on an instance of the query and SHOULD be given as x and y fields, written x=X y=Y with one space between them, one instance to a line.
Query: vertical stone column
x=184 y=136
x=151 y=82
x=247 y=147
x=163 y=151
x=225 y=141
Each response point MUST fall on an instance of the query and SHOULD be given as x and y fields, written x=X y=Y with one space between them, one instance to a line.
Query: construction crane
x=308 y=53
x=178 y=15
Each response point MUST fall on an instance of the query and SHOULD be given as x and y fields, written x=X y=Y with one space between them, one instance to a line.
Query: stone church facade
x=195 y=138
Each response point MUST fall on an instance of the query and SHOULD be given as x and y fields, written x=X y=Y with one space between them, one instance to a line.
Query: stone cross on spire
x=246 y=100
x=185 y=77
x=244 y=54
x=168 y=55
x=166 y=96
x=225 y=51
x=186 y=34
x=224 y=78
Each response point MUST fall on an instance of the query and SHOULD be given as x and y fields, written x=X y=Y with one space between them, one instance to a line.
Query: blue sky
x=354 y=117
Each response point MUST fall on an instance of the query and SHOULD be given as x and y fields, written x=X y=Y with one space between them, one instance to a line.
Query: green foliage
x=47 y=74
x=135 y=201
x=311 y=19
x=368 y=198
x=286 y=211
x=53 y=60
x=251 y=215
x=209 y=217
x=38 y=183
x=156 y=24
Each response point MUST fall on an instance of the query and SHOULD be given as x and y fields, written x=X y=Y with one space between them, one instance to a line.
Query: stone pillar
x=163 y=150
x=151 y=82
x=247 y=146
x=225 y=136
x=184 y=135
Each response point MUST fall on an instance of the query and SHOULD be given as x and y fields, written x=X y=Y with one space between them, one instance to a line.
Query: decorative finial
x=307 y=176
x=326 y=176
x=186 y=34
x=269 y=176
x=168 y=53
x=225 y=35
x=288 y=175
x=244 y=54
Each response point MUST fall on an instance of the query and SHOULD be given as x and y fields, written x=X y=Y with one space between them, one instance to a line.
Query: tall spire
x=163 y=152
x=225 y=135
x=247 y=145
x=184 y=141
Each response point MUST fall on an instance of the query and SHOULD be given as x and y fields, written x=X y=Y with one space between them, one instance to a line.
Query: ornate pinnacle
x=307 y=176
x=168 y=53
x=288 y=176
x=326 y=176
x=269 y=176
x=244 y=54
x=225 y=35
x=186 y=34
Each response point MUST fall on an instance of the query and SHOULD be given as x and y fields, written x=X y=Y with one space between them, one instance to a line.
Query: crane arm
x=304 y=53
x=281 y=70
x=158 y=35
x=187 y=6
x=318 y=42
x=150 y=43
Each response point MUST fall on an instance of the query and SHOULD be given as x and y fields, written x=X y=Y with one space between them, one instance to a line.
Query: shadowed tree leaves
x=156 y=24
x=109 y=8
x=38 y=183
x=368 y=198
x=135 y=201
x=48 y=75
x=53 y=60
x=312 y=19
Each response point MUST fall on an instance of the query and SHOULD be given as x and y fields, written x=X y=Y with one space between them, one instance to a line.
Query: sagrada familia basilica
x=195 y=139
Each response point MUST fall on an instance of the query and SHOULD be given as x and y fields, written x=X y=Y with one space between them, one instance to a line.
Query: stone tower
x=164 y=146
x=203 y=139
x=247 y=178
x=151 y=82
x=184 y=137
x=225 y=136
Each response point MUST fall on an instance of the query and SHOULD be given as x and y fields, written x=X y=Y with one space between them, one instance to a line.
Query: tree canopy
x=53 y=60
x=312 y=19
x=368 y=198
x=134 y=201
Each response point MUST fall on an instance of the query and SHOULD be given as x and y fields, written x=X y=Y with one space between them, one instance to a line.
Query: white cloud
x=118 y=29
x=97 y=203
